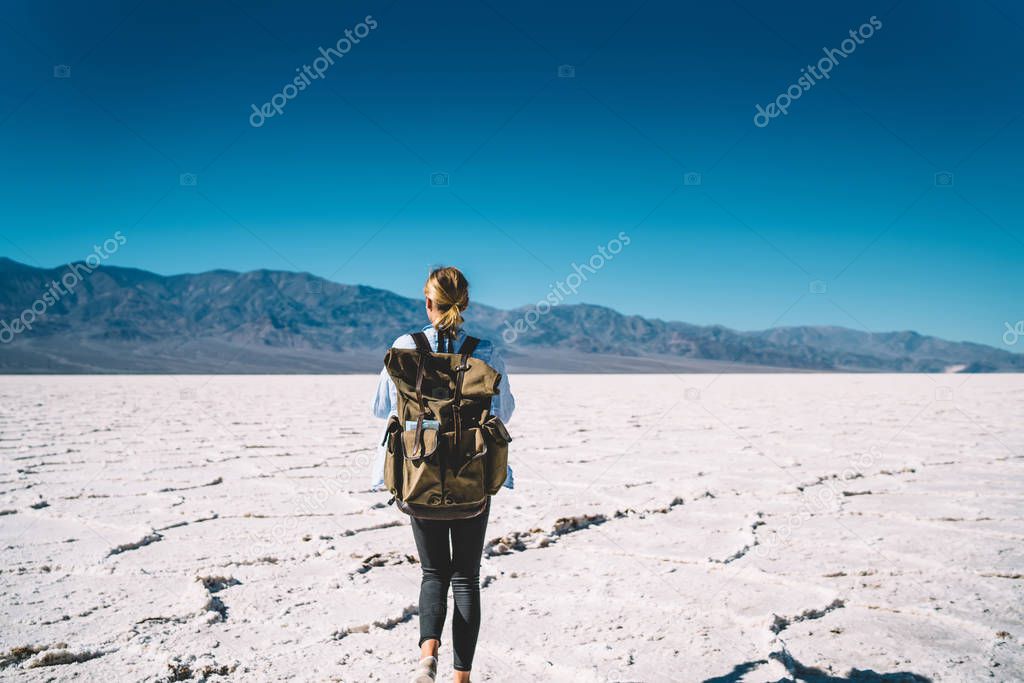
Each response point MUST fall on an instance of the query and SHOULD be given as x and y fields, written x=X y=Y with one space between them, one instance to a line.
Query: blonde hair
x=448 y=288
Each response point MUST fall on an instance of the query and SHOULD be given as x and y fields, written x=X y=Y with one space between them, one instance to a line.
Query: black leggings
x=461 y=569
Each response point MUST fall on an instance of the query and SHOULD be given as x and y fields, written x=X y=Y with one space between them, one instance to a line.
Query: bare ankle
x=429 y=648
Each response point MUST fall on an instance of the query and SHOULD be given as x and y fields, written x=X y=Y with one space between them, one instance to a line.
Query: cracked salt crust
x=778 y=526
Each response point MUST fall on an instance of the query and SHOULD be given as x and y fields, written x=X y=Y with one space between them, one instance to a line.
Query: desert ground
x=663 y=528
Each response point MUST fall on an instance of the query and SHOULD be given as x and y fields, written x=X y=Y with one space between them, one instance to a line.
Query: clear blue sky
x=542 y=169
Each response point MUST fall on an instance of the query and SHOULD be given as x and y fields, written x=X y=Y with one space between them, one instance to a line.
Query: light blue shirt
x=385 y=402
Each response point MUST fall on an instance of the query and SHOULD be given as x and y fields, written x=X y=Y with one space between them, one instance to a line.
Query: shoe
x=426 y=672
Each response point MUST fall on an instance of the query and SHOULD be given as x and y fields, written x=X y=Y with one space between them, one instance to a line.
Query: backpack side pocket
x=496 y=458
x=467 y=480
x=393 y=456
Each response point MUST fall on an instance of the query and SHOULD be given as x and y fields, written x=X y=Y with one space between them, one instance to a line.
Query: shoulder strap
x=422 y=345
x=468 y=346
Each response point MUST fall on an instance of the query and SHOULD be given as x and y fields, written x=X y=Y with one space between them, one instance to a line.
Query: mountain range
x=124 y=320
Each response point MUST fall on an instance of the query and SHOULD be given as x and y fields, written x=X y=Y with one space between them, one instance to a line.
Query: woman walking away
x=445 y=453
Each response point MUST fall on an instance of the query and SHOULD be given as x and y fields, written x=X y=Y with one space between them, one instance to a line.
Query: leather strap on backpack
x=465 y=351
x=423 y=346
x=445 y=341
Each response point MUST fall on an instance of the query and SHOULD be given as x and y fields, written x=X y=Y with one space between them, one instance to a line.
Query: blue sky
x=542 y=170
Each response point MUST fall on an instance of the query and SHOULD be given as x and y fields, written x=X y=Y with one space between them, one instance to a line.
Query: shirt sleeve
x=504 y=404
x=386 y=398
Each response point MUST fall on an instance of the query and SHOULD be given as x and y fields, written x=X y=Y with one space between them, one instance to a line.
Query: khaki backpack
x=446 y=452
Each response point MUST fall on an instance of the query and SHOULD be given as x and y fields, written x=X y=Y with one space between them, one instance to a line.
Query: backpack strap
x=469 y=345
x=422 y=345
x=445 y=342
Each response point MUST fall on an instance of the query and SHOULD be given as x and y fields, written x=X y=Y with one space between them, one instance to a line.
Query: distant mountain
x=127 y=320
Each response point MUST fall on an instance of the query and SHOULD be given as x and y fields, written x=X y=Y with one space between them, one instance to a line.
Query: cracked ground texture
x=761 y=528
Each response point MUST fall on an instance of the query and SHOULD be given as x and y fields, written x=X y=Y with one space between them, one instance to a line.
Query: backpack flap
x=497 y=430
x=423 y=448
x=481 y=380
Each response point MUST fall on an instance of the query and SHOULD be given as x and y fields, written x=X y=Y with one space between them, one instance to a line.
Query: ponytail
x=449 y=290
